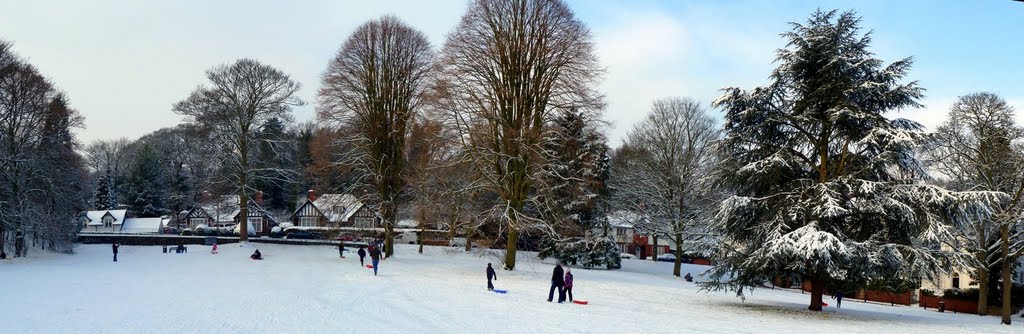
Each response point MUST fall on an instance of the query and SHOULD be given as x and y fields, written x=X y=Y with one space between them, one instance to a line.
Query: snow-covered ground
x=308 y=289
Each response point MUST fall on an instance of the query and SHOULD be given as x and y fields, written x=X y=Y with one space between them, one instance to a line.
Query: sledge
x=823 y=304
x=500 y=291
x=581 y=302
x=369 y=266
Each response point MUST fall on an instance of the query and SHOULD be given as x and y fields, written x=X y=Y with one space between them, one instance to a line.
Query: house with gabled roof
x=258 y=218
x=194 y=217
x=102 y=221
x=333 y=210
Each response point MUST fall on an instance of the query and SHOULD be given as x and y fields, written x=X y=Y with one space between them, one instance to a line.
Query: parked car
x=667 y=257
x=409 y=237
x=627 y=256
x=303 y=235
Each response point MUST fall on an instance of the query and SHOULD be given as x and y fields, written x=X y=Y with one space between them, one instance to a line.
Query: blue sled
x=501 y=291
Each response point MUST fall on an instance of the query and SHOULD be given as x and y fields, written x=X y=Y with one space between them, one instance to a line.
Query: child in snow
x=362 y=255
x=688 y=278
x=341 y=249
x=568 y=284
x=490 y=275
x=114 y=247
x=839 y=298
x=256 y=255
x=214 y=251
x=374 y=258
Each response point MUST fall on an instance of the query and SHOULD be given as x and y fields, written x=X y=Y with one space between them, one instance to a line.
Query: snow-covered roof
x=338 y=207
x=142 y=225
x=407 y=223
x=623 y=218
x=223 y=209
x=96 y=217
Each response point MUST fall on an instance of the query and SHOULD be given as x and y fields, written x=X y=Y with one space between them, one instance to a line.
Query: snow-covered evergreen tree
x=146 y=186
x=105 y=197
x=824 y=185
x=571 y=194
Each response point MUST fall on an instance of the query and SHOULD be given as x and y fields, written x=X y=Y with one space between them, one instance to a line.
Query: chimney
x=311 y=195
x=259 y=198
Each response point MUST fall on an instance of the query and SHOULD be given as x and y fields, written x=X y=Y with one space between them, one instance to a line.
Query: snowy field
x=308 y=289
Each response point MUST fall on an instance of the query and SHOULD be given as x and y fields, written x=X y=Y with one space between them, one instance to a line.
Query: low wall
x=952 y=305
x=905 y=298
x=149 y=240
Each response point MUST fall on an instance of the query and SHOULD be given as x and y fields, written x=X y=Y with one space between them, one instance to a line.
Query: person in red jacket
x=214 y=251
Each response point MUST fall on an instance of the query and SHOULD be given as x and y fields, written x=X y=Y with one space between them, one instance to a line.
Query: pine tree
x=105 y=197
x=146 y=186
x=572 y=194
x=824 y=185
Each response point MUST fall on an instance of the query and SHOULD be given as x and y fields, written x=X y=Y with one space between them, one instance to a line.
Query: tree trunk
x=982 y=273
x=243 y=199
x=388 y=215
x=510 y=247
x=679 y=255
x=1007 y=281
x=654 y=249
x=817 y=290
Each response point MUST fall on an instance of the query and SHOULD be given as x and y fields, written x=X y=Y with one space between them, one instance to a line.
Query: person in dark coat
x=362 y=256
x=341 y=249
x=557 y=282
x=374 y=258
x=256 y=255
x=491 y=275
x=114 y=247
x=3 y=256
x=568 y=284
x=688 y=278
x=839 y=298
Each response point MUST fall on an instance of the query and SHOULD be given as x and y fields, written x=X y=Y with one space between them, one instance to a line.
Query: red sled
x=369 y=266
x=824 y=304
x=581 y=302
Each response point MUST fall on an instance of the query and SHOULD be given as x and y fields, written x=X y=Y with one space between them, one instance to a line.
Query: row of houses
x=327 y=210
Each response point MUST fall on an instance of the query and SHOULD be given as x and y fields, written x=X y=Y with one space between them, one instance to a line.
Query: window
x=339 y=209
x=307 y=221
x=257 y=223
x=108 y=221
x=197 y=221
x=621 y=231
x=956 y=280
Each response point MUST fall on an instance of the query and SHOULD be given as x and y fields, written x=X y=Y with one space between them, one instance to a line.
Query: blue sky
x=124 y=63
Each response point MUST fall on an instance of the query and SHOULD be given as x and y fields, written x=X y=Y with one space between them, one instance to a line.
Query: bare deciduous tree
x=375 y=84
x=241 y=97
x=665 y=180
x=978 y=147
x=507 y=65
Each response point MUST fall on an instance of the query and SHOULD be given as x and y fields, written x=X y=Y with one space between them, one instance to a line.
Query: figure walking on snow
x=491 y=275
x=362 y=256
x=557 y=282
x=114 y=247
x=839 y=298
x=374 y=258
x=568 y=284
x=341 y=249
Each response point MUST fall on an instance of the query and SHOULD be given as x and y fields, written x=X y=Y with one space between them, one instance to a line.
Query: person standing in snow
x=374 y=258
x=557 y=282
x=568 y=284
x=214 y=250
x=491 y=275
x=114 y=247
x=362 y=256
x=341 y=249
x=3 y=256
x=839 y=298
